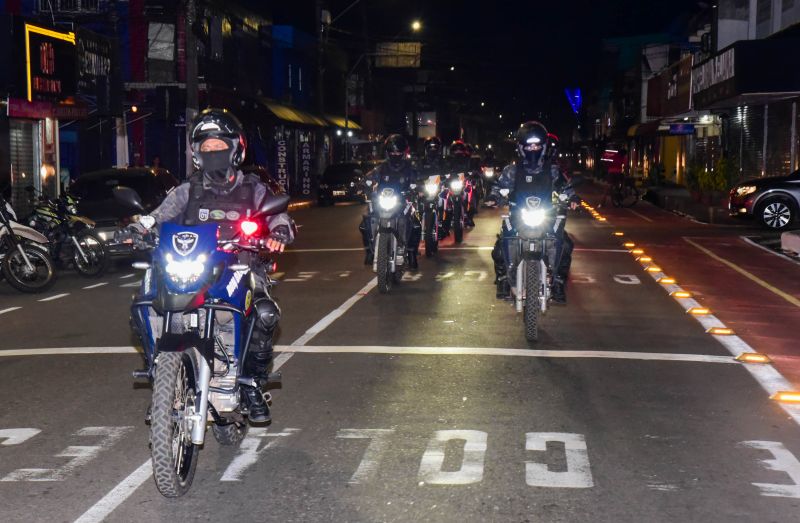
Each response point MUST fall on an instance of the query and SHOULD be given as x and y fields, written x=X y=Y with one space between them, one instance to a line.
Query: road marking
x=131 y=275
x=69 y=351
x=248 y=452
x=96 y=285
x=578 y=473
x=100 y=510
x=640 y=215
x=752 y=277
x=302 y=276
x=9 y=309
x=80 y=455
x=774 y=253
x=55 y=297
x=627 y=279
x=784 y=462
x=471 y=469
x=581 y=249
x=327 y=250
x=17 y=436
x=378 y=442
x=525 y=353
x=579 y=277
x=131 y=284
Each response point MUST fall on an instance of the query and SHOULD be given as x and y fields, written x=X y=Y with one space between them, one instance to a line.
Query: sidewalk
x=750 y=289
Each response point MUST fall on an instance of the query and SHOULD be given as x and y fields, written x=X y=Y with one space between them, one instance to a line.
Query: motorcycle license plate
x=339 y=193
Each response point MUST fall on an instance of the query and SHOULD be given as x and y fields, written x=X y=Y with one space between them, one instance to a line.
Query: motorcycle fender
x=29 y=234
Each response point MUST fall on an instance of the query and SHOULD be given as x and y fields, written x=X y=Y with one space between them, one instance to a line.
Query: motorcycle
x=73 y=240
x=536 y=218
x=430 y=202
x=453 y=217
x=24 y=259
x=195 y=317
x=388 y=205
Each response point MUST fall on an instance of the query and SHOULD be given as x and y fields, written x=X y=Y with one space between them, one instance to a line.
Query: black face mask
x=216 y=164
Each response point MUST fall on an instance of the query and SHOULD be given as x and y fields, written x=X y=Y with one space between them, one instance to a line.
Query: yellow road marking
x=750 y=276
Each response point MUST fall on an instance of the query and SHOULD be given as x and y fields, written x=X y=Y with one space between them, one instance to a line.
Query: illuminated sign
x=714 y=71
x=49 y=63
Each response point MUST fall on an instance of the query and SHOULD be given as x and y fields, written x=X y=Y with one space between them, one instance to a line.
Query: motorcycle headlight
x=744 y=190
x=489 y=172
x=185 y=271
x=533 y=217
x=431 y=189
x=387 y=200
x=456 y=185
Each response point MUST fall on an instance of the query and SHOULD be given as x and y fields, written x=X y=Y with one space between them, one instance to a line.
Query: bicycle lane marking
x=125 y=489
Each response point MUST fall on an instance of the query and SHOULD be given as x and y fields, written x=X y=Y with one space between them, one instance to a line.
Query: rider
x=458 y=162
x=533 y=143
x=432 y=162
x=397 y=168
x=219 y=192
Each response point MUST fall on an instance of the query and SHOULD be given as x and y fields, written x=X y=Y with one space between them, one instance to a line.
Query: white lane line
x=55 y=297
x=484 y=248
x=100 y=510
x=96 y=285
x=640 y=215
x=69 y=351
x=581 y=249
x=327 y=250
x=131 y=275
x=525 y=353
x=774 y=253
x=9 y=309
x=132 y=284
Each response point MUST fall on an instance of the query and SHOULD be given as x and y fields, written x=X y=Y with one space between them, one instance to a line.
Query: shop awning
x=338 y=121
x=294 y=115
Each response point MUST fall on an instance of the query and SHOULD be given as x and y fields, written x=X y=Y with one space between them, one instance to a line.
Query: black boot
x=412 y=260
x=257 y=408
x=559 y=292
x=368 y=257
x=503 y=289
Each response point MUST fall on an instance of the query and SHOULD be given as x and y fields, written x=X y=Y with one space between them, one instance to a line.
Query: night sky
x=518 y=55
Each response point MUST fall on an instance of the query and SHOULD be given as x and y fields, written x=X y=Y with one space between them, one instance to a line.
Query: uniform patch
x=232 y=215
x=529 y=179
x=203 y=215
x=217 y=215
x=247 y=299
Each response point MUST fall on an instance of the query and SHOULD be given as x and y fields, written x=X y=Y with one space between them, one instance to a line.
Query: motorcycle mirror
x=274 y=205
x=128 y=197
x=147 y=221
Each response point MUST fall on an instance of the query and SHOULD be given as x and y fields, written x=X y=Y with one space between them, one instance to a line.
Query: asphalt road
x=410 y=407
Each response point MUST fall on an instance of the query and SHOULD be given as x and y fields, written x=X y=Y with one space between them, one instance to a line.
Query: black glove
x=278 y=238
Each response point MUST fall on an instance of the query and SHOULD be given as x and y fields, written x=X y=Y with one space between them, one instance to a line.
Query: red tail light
x=248 y=227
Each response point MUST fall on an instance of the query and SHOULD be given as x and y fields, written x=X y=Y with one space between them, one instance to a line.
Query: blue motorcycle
x=194 y=315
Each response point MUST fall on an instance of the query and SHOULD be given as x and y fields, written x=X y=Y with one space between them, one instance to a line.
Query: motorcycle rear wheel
x=173 y=453
x=532 y=306
x=385 y=278
x=16 y=271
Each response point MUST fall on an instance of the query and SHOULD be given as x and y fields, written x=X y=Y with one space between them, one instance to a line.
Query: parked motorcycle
x=24 y=259
x=73 y=240
x=430 y=202
x=389 y=208
x=195 y=318
x=536 y=214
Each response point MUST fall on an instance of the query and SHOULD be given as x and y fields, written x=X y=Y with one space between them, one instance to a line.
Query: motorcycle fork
x=25 y=257
x=77 y=245
x=519 y=298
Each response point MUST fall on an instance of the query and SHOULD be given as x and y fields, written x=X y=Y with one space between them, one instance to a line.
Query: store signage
x=714 y=71
x=305 y=168
x=49 y=63
x=282 y=163
x=95 y=74
x=681 y=128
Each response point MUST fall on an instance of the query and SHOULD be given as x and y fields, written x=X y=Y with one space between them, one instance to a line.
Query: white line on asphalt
x=525 y=353
x=326 y=250
x=128 y=486
x=778 y=254
x=132 y=284
x=131 y=275
x=9 y=309
x=68 y=351
x=580 y=249
x=96 y=285
x=483 y=248
x=55 y=297
x=640 y=215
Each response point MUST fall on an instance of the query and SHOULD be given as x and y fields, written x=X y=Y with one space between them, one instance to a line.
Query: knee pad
x=268 y=313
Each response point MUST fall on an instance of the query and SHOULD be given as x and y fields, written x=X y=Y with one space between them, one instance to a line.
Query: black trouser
x=260 y=351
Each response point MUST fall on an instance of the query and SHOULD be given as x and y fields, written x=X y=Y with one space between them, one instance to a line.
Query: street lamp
x=452 y=67
x=416 y=26
x=500 y=116
x=483 y=104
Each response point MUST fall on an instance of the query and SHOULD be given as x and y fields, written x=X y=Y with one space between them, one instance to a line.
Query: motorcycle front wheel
x=173 y=453
x=37 y=277
x=431 y=238
x=458 y=223
x=94 y=260
x=532 y=306
x=384 y=253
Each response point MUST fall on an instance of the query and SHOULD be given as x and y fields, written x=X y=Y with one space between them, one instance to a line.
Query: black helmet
x=458 y=148
x=532 y=142
x=217 y=165
x=433 y=148
x=552 y=145
x=396 y=149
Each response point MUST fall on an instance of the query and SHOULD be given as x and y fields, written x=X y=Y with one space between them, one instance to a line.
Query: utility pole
x=192 y=101
x=320 y=134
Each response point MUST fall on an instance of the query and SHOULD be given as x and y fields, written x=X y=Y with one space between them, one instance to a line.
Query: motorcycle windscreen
x=186 y=254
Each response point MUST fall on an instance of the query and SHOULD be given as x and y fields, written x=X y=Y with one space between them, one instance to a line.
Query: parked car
x=96 y=199
x=773 y=201
x=342 y=182
x=265 y=177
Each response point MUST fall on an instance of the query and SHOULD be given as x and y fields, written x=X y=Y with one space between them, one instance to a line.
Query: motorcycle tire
x=13 y=266
x=229 y=435
x=173 y=385
x=385 y=278
x=458 y=225
x=532 y=306
x=95 y=249
x=431 y=240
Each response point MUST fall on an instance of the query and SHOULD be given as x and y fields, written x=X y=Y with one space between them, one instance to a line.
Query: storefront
x=41 y=85
x=753 y=87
